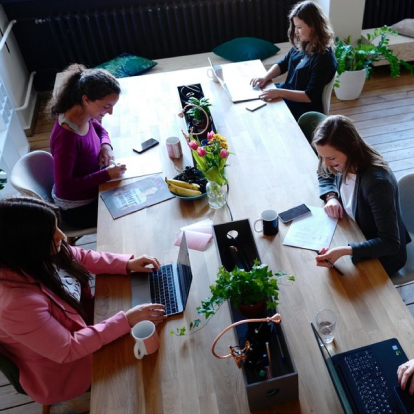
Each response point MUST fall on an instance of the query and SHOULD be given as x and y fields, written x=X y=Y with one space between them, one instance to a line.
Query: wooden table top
x=273 y=166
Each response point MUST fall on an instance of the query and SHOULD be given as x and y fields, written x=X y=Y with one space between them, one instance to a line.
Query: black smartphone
x=293 y=213
x=146 y=145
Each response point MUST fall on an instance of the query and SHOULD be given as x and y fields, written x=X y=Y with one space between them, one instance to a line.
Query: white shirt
x=347 y=191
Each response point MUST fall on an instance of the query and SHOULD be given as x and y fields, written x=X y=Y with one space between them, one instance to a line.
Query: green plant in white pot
x=355 y=62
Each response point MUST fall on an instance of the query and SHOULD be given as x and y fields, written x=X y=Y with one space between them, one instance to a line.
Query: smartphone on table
x=146 y=145
x=293 y=213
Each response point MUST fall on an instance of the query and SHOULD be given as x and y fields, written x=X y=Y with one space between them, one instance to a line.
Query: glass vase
x=215 y=194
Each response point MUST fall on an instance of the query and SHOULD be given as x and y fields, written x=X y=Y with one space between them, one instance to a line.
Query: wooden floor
x=384 y=116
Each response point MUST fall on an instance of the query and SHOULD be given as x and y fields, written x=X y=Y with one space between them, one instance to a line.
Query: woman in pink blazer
x=46 y=305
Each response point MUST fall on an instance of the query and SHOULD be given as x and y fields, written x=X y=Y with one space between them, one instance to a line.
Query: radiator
x=386 y=12
x=174 y=29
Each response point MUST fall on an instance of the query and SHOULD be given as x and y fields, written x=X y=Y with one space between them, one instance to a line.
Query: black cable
x=228 y=207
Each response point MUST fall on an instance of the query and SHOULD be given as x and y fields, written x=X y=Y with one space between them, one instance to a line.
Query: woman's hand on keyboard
x=404 y=372
x=147 y=312
x=139 y=264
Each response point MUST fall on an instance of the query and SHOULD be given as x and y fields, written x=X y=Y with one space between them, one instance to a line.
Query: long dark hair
x=339 y=132
x=27 y=227
x=79 y=81
x=322 y=33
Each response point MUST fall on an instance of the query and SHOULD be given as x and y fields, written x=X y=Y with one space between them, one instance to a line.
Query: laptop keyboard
x=163 y=289
x=370 y=382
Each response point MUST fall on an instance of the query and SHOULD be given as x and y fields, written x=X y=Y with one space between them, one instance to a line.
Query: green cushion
x=246 y=48
x=126 y=65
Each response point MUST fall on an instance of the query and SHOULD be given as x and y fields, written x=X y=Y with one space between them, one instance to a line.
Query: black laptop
x=365 y=378
x=170 y=285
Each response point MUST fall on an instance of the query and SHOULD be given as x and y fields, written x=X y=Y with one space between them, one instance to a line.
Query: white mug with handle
x=146 y=339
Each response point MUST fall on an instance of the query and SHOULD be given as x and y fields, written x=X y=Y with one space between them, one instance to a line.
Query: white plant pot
x=350 y=85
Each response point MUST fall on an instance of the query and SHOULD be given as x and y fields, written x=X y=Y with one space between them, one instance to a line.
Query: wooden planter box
x=283 y=385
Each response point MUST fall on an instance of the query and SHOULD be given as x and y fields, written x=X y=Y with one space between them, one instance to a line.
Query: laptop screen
x=184 y=270
x=343 y=398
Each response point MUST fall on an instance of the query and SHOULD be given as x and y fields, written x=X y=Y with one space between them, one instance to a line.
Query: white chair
x=32 y=176
x=326 y=96
x=406 y=190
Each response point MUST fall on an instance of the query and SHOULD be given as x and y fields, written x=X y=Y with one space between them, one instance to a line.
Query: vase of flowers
x=211 y=156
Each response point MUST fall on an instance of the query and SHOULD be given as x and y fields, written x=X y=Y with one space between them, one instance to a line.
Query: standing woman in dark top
x=310 y=64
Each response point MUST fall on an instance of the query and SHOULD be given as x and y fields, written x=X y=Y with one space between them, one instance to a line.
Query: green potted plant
x=3 y=179
x=355 y=62
x=244 y=289
x=197 y=115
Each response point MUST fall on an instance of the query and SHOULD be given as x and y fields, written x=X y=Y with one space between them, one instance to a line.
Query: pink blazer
x=47 y=339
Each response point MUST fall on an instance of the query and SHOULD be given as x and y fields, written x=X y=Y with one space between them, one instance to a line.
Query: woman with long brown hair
x=46 y=305
x=310 y=64
x=354 y=179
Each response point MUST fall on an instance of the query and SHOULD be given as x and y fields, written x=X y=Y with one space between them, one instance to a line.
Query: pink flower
x=210 y=135
x=224 y=153
x=201 y=151
x=193 y=145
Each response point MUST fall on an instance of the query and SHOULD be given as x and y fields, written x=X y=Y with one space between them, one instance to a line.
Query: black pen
x=332 y=265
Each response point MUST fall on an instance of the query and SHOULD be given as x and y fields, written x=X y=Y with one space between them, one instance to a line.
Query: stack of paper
x=197 y=235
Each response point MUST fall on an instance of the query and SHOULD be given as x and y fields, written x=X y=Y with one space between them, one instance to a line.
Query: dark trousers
x=81 y=217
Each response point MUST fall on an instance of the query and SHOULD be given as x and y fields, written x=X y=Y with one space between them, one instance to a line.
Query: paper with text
x=313 y=232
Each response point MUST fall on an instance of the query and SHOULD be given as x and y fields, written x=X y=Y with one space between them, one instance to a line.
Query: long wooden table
x=273 y=166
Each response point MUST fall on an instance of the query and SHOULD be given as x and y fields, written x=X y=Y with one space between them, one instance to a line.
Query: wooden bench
x=195 y=61
x=402 y=46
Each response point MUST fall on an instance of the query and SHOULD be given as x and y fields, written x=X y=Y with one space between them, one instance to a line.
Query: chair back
x=11 y=372
x=326 y=96
x=406 y=190
x=32 y=175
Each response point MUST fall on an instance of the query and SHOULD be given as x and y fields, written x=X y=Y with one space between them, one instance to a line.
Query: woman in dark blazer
x=354 y=179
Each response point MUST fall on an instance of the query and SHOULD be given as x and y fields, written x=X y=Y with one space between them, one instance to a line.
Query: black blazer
x=376 y=208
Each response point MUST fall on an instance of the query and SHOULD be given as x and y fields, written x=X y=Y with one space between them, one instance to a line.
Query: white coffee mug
x=146 y=339
x=212 y=75
x=174 y=147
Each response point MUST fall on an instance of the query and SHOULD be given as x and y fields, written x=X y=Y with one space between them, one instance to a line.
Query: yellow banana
x=184 y=192
x=184 y=184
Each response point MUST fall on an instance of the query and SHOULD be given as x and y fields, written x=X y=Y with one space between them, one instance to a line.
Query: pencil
x=269 y=359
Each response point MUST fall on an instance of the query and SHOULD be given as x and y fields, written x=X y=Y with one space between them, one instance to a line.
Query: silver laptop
x=170 y=285
x=235 y=80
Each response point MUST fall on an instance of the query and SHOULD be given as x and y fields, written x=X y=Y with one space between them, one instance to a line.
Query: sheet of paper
x=312 y=232
x=198 y=235
x=138 y=166
x=195 y=240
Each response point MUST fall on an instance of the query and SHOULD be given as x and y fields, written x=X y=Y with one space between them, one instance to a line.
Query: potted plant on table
x=355 y=62
x=198 y=117
x=256 y=289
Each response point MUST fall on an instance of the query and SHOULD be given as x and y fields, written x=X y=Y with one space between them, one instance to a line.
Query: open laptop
x=170 y=285
x=235 y=79
x=365 y=378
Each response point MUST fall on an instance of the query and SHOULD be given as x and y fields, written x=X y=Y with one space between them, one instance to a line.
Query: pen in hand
x=332 y=265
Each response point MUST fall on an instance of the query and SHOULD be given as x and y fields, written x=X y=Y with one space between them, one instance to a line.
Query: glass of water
x=325 y=324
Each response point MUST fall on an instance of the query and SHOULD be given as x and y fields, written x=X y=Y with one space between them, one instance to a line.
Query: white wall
x=346 y=16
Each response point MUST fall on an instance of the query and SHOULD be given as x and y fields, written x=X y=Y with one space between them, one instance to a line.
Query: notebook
x=365 y=378
x=170 y=285
x=235 y=79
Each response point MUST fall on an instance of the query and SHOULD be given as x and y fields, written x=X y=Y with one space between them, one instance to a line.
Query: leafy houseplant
x=361 y=56
x=195 y=112
x=240 y=287
x=2 y=180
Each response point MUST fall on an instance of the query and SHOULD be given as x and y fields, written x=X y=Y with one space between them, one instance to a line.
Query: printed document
x=313 y=232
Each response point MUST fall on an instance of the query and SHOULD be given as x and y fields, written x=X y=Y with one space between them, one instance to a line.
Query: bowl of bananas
x=189 y=184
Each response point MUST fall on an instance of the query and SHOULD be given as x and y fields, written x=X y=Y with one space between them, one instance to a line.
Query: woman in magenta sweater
x=81 y=147
x=46 y=306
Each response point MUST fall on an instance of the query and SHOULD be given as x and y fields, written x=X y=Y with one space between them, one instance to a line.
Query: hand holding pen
x=328 y=260
x=116 y=170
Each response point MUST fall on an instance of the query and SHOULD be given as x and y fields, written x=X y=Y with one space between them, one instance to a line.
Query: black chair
x=11 y=372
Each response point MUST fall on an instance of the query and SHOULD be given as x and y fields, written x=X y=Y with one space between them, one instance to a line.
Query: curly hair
x=80 y=81
x=322 y=33
x=339 y=132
